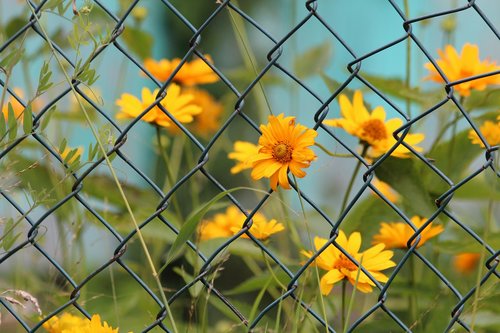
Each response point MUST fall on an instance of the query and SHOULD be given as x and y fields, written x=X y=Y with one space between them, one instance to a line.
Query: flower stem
x=353 y=178
x=169 y=176
x=412 y=299
x=344 y=293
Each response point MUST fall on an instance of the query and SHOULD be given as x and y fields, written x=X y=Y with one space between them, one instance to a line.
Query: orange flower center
x=374 y=129
x=344 y=262
x=282 y=152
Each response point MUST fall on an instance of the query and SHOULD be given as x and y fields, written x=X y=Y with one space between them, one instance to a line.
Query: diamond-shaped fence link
x=75 y=191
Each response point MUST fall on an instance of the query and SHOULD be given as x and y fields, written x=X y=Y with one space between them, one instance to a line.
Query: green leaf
x=3 y=126
x=62 y=145
x=256 y=282
x=14 y=25
x=479 y=188
x=189 y=228
x=468 y=245
x=455 y=155
x=313 y=61
x=396 y=87
x=138 y=41
x=27 y=120
x=12 y=122
x=403 y=175
x=483 y=99
x=47 y=116
x=333 y=85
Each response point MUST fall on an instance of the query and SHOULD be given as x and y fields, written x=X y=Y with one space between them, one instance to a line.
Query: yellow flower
x=395 y=235
x=490 y=131
x=457 y=67
x=207 y=121
x=17 y=107
x=68 y=323
x=78 y=153
x=386 y=190
x=229 y=223
x=191 y=73
x=178 y=104
x=339 y=266
x=466 y=262
x=372 y=128
x=283 y=146
x=243 y=152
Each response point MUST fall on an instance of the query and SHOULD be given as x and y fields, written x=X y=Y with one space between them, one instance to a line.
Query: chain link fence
x=123 y=242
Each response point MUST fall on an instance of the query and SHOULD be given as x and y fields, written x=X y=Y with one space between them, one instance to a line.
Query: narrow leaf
x=27 y=120
x=313 y=61
x=12 y=122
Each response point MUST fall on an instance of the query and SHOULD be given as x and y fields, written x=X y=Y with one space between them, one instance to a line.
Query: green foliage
x=138 y=41
x=9 y=236
x=44 y=82
x=313 y=61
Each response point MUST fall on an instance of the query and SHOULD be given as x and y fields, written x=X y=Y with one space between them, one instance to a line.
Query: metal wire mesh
x=311 y=13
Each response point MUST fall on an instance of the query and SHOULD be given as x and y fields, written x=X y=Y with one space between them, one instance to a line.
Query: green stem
x=344 y=294
x=194 y=188
x=353 y=178
x=316 y=269
x=453 y=134
x=479 y=275
x=111 y=170
x=412 y=298
x=329 y=153
x=170 y=181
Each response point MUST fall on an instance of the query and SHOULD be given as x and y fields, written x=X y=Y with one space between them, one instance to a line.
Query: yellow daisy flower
x=283 y=146
x=229 y=223
x=243 y=152
x=490 y=131
x=386 y=190
x=339 y=266
x=191 y=73
x=464 y=65
x=466 y=262
x=67 y=323
x=395 y=235
x=179 y=104
x=371 y=128
x=17 y=107
x=207 y=121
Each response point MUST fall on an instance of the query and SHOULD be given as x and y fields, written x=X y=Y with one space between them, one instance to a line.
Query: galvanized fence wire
x=312 y=12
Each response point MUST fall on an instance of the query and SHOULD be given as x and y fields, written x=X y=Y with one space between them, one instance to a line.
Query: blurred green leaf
x=454 y=155
x=256 y=282
x=479 y=188
x=138 y=41
x=487 y=98
x=396 y=87
x=14 y=25
x=11 y=121
x=313 y=61
x=3 y=127
x=403 y=176
x=468 y=245
x=333 y=85
x=27 y=119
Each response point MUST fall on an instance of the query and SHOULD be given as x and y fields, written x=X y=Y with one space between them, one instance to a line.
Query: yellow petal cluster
x=191 y=73
x=178 y=104
x=490 y=131
x=243 y=152
x=229 y=223
x=17 y=107
x=395 y=235
x=464 y=65
x=283 y=146
x=386 y=190
x=339 y=266
x=68 y=323
x=372 y=128
x=206 y=122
